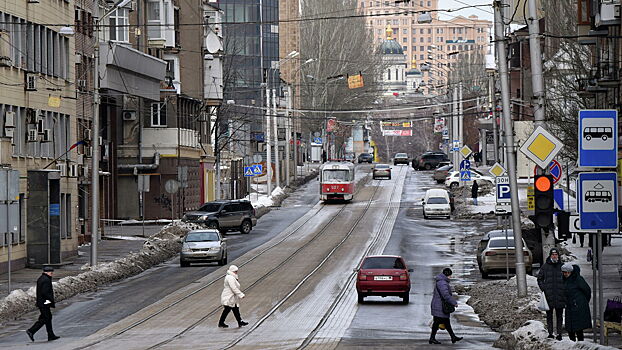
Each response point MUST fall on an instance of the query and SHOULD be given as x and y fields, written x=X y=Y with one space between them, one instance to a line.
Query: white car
x=453 y=179
x=436 y=203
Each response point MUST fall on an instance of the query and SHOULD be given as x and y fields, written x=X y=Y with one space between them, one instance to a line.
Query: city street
x=296 y=271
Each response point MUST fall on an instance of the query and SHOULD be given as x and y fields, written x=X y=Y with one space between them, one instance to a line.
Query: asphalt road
x=85 y=314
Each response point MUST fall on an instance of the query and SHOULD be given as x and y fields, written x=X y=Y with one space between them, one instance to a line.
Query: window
x=158 y=114
x=421 y=39
x=421 y=31
x=429 y=30
x=154 y=19
x=404 y=31
x=119 y=30
x=404 y=40
x=422 y=48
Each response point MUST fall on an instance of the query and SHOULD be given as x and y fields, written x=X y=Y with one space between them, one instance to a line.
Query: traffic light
x=544 y=202
x=563 y=225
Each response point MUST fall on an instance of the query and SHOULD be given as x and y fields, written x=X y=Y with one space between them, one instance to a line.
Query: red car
x=383 y=275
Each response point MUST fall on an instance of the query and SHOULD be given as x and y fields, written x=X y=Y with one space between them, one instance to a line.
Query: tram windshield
x=336 y=175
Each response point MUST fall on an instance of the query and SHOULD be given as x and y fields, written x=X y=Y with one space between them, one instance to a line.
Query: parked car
x=383 y=275
x=453 y=179
x=381 y=170
x=400 y=158
x=349 y=157
x=441 y=173
x=534 y=243
x=225 y=215
x=365 y=158
x=495 y=258
x=436 y=203
x=203 y=246
x=430 y=160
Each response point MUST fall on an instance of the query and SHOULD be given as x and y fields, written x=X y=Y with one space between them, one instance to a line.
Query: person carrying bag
x=443 y=304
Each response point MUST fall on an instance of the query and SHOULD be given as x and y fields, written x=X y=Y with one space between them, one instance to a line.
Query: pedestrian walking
x=578 y=294
x=45 y=301
x=230 y=298
x=551 y=283
x=474 y=190
x=440 y=296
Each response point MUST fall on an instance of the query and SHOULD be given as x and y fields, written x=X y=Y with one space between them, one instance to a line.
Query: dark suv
x=226 y=215
x=430 y=160
x=365 y=158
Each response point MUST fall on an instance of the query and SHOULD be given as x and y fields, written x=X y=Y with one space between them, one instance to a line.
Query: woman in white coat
x=230 y=297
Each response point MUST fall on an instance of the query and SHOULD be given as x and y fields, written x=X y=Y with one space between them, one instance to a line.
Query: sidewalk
x=124 y=240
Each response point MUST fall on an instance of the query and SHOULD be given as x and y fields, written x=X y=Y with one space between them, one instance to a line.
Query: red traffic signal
x=544 y=201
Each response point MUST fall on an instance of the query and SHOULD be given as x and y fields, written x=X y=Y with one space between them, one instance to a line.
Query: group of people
x=566 y=291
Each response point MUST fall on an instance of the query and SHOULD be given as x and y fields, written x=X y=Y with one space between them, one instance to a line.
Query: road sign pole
x=521 y=276
x=599 y=261
x=595 y=307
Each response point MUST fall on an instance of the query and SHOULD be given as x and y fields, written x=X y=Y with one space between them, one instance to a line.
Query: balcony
x=608 y=74
x=165 y=140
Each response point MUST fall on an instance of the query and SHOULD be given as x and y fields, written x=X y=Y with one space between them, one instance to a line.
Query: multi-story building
x=440 y=43
x=37 y=109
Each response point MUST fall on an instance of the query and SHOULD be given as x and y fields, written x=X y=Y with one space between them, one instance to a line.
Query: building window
x=404 y=40
x=158 y=114
x=119 y=30
x=421 y=31
x=404 y=31
x=421 y=48
x=154 y=19
x=405 y=48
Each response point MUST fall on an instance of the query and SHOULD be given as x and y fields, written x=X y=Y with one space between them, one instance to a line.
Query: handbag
x=447 y=306
x=543 y=305
x=613 y=310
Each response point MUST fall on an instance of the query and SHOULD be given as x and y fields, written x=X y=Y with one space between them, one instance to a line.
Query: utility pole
x=288 y=135
x=277 y=162
x=95 y=143
x=521 y=277
x=461 y=116
x=537 y=85
x=454 y=128
x=267 y=139
x=493 y=112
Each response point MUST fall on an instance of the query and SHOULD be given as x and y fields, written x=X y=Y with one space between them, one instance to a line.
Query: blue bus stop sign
x=598 y=201
x=598 y=138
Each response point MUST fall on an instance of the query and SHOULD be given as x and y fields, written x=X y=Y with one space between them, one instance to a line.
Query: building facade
x=37 y=110
x=440 y=43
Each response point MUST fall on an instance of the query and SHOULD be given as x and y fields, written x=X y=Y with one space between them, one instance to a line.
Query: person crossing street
x=45 y=301
x=230 y=298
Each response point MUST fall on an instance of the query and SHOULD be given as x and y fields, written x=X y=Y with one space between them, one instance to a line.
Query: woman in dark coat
x=442 y=291
x=551 y=283
x=578 y=294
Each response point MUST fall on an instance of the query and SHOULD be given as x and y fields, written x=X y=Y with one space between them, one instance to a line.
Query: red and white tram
x=337 y=181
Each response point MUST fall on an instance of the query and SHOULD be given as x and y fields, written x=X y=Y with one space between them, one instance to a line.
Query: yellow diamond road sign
x=497 y=170
x=465 y=151
x=541 y=147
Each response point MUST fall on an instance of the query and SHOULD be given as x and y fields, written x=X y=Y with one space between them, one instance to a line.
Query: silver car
x=203 y=246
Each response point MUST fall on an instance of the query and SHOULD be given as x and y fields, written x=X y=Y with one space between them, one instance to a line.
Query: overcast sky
x=481 y=12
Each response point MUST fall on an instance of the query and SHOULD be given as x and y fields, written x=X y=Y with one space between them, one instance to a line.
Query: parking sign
x=502 y=184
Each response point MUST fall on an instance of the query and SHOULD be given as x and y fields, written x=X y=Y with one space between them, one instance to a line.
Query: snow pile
x=159 y=248
x=497 y=303
x=533 y=335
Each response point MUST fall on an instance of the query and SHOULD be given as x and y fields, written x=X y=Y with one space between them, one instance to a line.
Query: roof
x=391 y=47
x=413 y=71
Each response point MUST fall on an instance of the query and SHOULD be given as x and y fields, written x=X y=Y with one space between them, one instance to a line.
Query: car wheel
x=484 y=274
x=428 y=166
x=406 y=298
x=223 y=261
x=440 y=181
x=425 y=216
x=373 y=178
x=453 y=185
x=389 y=177
x=246 y=227
x=213 y=225
x=361 y=298
x=183 y=263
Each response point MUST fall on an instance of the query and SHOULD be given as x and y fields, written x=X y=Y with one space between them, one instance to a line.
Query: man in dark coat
x=474 y=190
x=442 y=291
x=45 y=301
x=578 y=294
x=551 y=283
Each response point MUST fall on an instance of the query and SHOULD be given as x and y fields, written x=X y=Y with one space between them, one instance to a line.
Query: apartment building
x=37 y=109
x=439 y=43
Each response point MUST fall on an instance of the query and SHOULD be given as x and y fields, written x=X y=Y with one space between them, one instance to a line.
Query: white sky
x=481 y=12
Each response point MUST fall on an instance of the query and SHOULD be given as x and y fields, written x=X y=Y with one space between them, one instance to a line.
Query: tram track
x=250 y=260
x=316 y=269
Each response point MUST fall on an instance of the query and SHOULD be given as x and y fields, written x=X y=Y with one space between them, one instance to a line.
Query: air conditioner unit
x=31 y=82
x=47 y=135
x=83 y=171
x=32 y=135
x=129 y=115
x=63 y=169
x=87 y=134
x=132 y=6
x=80 y=159
x=9 y=132
x=73 y=170
x=78 y=56
x=9 y=119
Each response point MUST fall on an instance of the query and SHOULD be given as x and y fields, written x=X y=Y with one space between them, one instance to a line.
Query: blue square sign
x=598 y=138
x=598 y=201
x=502 y=184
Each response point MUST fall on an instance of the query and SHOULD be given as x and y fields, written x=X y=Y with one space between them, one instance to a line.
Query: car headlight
x=215 y=249
x=203 y=218
x=184 y=217
x=185 y=249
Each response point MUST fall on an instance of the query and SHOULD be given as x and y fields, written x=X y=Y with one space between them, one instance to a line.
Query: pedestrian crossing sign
x=257 y=169
x=248 y=171
x=465 y=175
